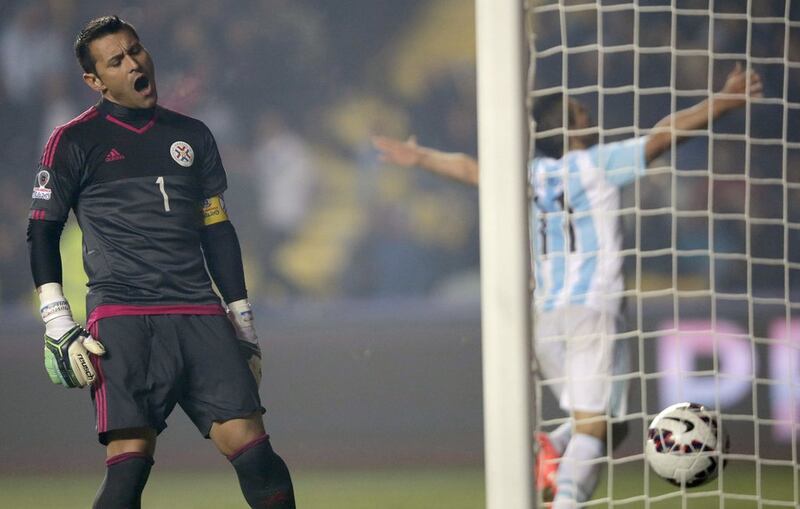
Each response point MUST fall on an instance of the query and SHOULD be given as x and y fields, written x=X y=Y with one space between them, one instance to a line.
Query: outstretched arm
x=732 y=96
x=454 y=165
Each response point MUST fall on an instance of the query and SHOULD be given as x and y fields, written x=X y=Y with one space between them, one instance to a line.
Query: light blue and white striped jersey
x=575 y=232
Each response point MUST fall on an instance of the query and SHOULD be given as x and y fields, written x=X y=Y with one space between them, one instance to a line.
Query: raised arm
x=454 y=165
x=732 y=96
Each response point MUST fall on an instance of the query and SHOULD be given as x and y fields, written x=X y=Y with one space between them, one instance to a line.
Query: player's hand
x=252 y=353
x=738 y=86
x=393 y=151
x=241 y=316
x=66 y=355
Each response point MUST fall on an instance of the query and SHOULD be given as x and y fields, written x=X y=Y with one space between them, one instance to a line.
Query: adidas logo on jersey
x=114 y=155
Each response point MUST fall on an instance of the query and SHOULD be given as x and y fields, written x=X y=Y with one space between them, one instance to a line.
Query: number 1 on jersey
x=160 y=182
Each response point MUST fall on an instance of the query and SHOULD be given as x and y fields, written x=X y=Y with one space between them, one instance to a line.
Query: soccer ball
x=684 y=445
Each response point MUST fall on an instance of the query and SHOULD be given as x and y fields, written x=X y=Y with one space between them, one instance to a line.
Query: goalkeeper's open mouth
x=143 y=86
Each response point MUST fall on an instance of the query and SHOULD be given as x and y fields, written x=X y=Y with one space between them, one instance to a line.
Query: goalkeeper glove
x=241 y=316
x=66 y=345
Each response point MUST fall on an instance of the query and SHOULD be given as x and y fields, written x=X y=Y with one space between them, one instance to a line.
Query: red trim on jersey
x=109 y=310
x=55 y=137
x=99 y=387
x=137 y=130
x=100 y=397
x=38 y=214
x=246 y=447
x=119 y=458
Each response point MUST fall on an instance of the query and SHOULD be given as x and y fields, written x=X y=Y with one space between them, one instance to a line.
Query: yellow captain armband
x=214 y=210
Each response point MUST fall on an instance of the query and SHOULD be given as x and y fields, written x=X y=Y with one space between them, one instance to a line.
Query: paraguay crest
x=41 y=192
x=182 y=153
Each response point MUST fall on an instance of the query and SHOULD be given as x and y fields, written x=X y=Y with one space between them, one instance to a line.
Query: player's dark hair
x=96 y=29
x=548 y=113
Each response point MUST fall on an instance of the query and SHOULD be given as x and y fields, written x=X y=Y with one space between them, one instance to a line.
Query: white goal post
x=504 y=255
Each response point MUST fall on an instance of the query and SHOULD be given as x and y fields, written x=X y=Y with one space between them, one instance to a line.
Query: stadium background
x=365 y=276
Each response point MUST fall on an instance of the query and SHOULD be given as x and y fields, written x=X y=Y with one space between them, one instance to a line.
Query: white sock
x=560 y=436
x=577 y=477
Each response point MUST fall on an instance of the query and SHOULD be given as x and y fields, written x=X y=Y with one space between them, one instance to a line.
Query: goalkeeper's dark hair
x=547 y=113
x=95 y=29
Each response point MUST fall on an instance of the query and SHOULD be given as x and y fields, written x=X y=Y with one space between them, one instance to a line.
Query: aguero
x=145 y=184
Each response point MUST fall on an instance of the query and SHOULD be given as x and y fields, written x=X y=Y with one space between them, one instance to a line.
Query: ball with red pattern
x=684 y=445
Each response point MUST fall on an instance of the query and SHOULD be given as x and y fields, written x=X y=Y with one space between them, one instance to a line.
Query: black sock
x=263 y=476
x=126 y=475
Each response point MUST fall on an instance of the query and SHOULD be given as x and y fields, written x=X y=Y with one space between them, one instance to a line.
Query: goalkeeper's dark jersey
x=136 y=180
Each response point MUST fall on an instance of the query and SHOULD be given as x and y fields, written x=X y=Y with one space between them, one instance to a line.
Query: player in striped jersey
x=575 y=246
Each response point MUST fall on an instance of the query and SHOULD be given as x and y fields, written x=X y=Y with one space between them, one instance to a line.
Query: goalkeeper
x=578 y=268
x=146 y=185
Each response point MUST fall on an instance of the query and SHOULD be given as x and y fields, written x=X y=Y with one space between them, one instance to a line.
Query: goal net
x=711 y=232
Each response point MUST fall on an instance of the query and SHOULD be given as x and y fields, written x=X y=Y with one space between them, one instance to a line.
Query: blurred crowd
x=292 y=90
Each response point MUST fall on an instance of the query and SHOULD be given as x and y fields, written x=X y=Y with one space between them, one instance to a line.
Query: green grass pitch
x=433 y=488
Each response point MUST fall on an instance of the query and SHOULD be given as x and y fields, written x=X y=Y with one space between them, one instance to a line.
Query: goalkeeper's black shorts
x=153 y=362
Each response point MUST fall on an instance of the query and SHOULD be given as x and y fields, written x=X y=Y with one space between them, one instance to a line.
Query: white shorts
x=577 y=353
